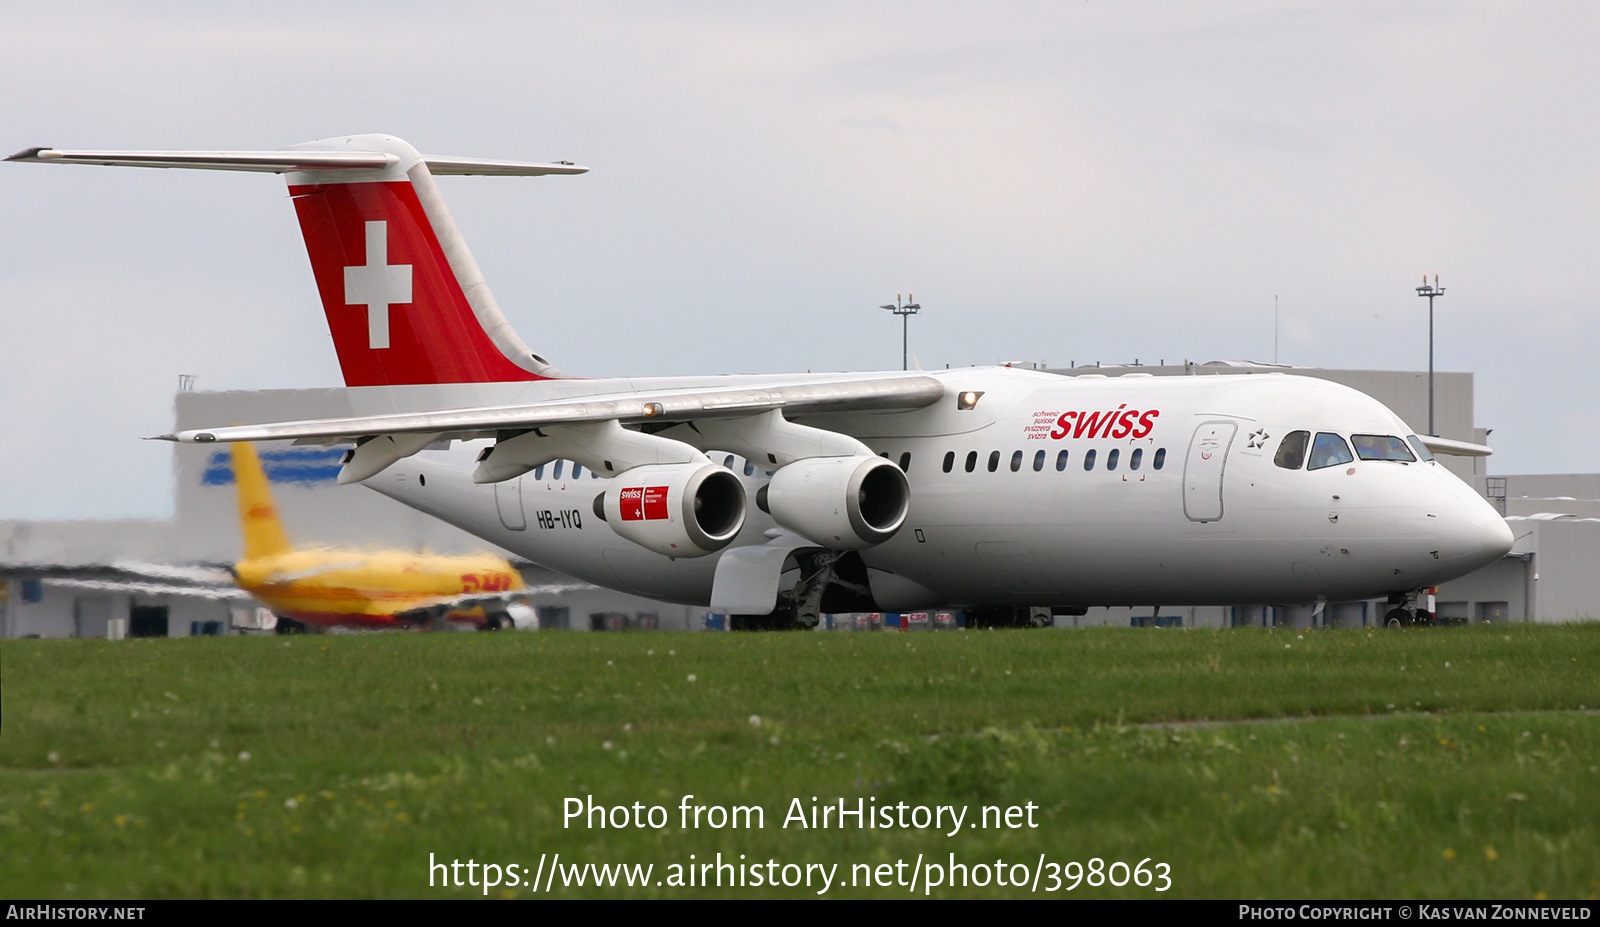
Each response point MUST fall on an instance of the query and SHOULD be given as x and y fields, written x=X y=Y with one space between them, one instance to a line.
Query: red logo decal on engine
x=631 y=502
x=655 y=503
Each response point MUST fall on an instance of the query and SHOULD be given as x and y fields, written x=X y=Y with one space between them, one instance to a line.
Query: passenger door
x=1203 y=469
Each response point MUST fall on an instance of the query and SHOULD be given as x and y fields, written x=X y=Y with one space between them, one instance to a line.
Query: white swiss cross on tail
x=378 y=285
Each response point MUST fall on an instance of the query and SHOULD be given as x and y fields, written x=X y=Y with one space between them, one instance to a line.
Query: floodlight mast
x=905 y=311
x=1430 y=291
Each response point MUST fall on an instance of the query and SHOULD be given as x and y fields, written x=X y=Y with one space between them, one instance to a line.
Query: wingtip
x=29 y=154
x=154 y=437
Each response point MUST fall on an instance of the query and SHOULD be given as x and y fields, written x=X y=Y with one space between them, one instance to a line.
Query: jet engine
x=681 y=510
x=842 y=503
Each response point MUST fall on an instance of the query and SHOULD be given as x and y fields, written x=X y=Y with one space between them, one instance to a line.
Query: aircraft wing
x=217 y=593
x=137 y=578
x=843 y=395
x=1455 y=448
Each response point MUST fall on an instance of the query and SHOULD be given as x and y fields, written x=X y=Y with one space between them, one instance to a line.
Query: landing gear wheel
x=1397 y=618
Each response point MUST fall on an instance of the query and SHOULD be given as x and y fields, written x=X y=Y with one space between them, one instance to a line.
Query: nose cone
x=1496 y=539
x=1473 y=537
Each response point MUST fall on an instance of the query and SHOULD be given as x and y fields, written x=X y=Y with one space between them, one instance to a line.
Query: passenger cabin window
x=557 y=474
x=1111 y=458
x=1016 y=461
x=749 y=468
x=1381 y=447
x=1419 y=447
x=728 y=462
x=1328 y=450
x=1088 y=459
x=538 y=472
x=1160 y=458
x=1292 y=450
x=905 y=462
x=994 y=461
x=1061 y=461
x=972 y=461
x=949 y=461
x=1135 y=458
x=1038 y=461
x=577 y=469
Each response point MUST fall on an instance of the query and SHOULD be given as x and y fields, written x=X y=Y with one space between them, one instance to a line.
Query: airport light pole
x=905 y=311
x=1430 y=291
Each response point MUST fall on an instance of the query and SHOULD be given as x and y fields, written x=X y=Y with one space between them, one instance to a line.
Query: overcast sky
x=1056 y=181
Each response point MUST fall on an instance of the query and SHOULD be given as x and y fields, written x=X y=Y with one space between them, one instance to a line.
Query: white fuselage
x=1206 y=516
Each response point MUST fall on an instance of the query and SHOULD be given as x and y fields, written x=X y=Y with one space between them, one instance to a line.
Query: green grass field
x=1436 y=763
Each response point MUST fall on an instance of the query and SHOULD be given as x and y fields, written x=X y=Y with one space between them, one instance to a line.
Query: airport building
x=155 y=578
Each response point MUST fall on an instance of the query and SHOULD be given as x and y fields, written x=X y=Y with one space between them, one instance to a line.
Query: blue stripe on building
x=304 y=465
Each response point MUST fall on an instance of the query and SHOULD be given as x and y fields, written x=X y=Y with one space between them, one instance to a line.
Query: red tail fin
x=405 y=301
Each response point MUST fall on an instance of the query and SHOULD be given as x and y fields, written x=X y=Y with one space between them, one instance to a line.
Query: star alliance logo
x=1258 y=438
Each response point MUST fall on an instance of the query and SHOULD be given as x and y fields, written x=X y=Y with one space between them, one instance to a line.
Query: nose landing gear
x=1407 y=611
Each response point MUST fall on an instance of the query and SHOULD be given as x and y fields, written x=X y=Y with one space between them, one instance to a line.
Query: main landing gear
x=830 y=581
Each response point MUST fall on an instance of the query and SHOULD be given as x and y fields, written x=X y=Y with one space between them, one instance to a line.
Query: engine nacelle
x=681 y=510
x=842 y=503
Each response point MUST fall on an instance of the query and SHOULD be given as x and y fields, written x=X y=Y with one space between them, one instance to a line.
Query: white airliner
x=790 y=496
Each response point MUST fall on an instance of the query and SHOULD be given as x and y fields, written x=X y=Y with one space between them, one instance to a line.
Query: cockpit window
x=1381 y=447
x=1419 y=447
x=1329 y=450
x=1292 y=450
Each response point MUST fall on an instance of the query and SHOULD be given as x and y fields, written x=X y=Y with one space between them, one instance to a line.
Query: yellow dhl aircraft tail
x=258 y=515
x=372 y=589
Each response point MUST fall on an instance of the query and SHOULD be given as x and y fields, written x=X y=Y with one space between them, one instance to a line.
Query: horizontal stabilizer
x=280 y=162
